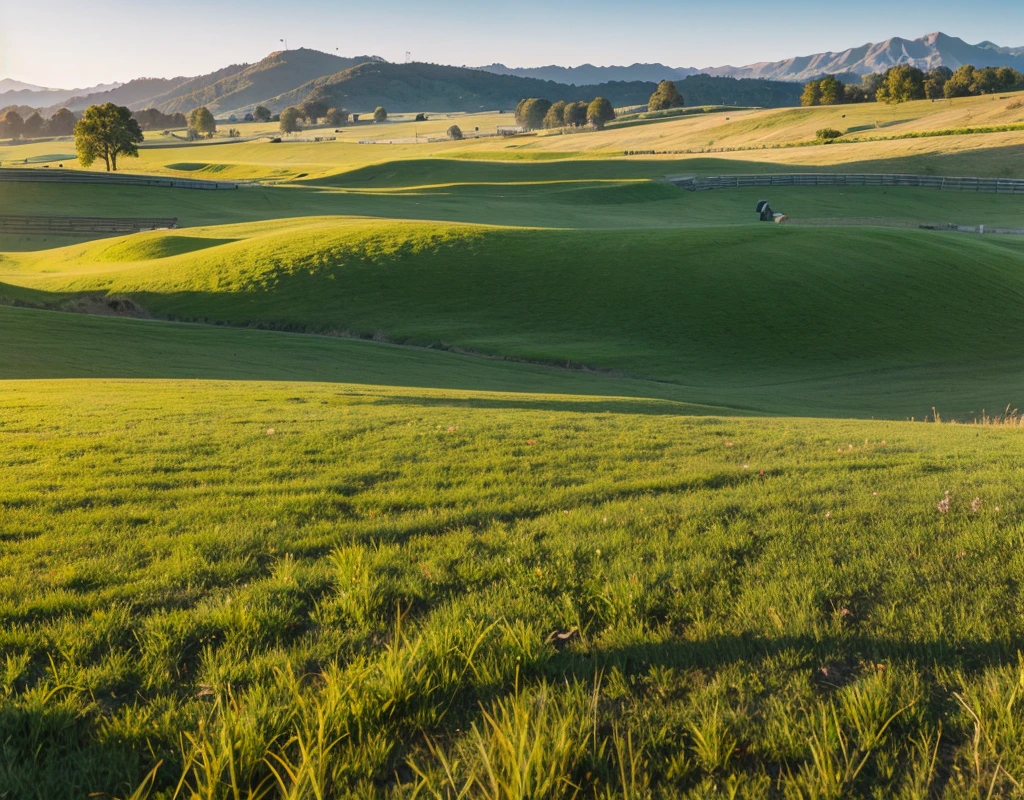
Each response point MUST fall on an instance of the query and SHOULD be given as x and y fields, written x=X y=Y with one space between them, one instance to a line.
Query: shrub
x=455 y=133
x=828 y=134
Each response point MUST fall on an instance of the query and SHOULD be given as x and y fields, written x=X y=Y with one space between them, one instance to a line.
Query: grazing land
x=508 y=469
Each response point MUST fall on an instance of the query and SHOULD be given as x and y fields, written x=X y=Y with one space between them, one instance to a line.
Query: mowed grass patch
x=372 y=590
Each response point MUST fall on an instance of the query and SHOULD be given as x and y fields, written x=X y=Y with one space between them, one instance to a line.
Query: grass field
x=624 y=500
x=327 y=588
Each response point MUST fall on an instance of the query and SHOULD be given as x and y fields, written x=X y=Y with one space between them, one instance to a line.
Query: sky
x=54 y=43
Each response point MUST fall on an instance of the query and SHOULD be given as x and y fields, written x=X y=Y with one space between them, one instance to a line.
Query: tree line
x=533 y=113
x=903 y=83
x=312 y=111
x=14 y=126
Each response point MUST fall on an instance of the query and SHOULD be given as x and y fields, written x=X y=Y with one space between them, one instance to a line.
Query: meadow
x=498 y=470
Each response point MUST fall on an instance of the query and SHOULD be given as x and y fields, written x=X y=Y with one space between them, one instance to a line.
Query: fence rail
x=17 y=175
x=75 y=225
x=986 y=185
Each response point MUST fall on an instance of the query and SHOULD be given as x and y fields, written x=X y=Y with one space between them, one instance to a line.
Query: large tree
x=312 y=111
x=336 y=117
x=935 y=82
x=812 y=94
x=261 y=114
x=665 y=96
x=11 y=124
x=599 y=112
x=33 y=126
x=106 y=132
x=575 y=114
x=62 y=123
x=901 y=84
x=201 y=121
x=832 y=91
x=290 y=119
x=555 y=118
x=530 y=112
x=380 y=114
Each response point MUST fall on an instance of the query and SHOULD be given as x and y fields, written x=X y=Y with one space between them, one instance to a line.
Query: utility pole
x=285 y=42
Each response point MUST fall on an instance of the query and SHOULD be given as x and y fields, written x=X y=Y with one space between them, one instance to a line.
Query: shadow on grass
x=843 y=657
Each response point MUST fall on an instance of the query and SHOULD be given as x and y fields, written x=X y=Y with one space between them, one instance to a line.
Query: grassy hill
x=243 y=90
x=749 y=316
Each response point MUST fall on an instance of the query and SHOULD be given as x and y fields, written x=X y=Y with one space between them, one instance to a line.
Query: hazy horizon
x=38 y=46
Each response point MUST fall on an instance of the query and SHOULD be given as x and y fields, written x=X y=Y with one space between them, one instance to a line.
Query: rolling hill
x=433 y=87
x=746 y=316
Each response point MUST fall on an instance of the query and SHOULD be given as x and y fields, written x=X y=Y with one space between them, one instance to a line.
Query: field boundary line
x=44 y=175
x=959 y=184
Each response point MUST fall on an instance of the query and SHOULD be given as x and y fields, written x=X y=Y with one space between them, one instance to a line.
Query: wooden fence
x=90 y=225
x=987 y=185
x=43 y=175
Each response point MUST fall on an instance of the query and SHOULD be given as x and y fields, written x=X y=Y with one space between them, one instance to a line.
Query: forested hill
x=439 y=88
x=705 y=90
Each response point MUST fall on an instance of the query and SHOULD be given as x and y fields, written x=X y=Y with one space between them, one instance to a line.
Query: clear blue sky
x=59 y=43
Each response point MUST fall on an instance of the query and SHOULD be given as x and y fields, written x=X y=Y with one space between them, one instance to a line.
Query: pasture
x=506 y=469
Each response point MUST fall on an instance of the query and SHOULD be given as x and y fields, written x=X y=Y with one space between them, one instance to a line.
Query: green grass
x=368 y=599
x=250 y=563
x=752 y=317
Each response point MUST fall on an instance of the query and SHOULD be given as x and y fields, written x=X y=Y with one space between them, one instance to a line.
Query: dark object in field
x=276 y=140
x=767 y=215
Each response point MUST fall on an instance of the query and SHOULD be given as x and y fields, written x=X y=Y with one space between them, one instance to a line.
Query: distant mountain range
x=16 y=93
x=588 y=73
x=363 y=82
x=928 y=52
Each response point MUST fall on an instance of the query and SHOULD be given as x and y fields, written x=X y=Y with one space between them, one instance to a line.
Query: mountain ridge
x=926 y=52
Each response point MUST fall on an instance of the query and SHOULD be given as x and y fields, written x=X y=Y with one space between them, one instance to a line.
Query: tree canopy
x=62 y=123
x=152 y=119
x=575 y=114
x=336 y=117
x=455 y=133
x=313 y=110
x=290 y=119
x=901 y=85
x=380 y=114
x=530 y=112
x=664 y=97
x=11 y=124
x=261 y=114
x=599 y=112
x=201 y=120
x=106 y=132
x=827 y=91
x=555 y=118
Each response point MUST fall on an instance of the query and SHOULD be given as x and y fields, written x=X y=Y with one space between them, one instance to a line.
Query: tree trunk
x=113 y=159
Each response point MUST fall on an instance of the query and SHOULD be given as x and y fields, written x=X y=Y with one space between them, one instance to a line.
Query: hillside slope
x=240 y=91
x=433 y=87
x=727 y=309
